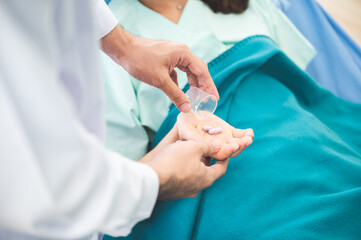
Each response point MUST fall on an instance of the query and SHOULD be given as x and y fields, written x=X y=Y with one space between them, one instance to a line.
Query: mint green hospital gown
x=134 y=110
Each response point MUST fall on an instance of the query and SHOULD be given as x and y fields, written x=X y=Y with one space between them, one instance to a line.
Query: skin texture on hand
x=181 y=172
x=183 y=167
x=154 y=62
x=229 y=143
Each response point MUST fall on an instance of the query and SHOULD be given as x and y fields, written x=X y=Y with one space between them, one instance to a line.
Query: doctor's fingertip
x=185 y=107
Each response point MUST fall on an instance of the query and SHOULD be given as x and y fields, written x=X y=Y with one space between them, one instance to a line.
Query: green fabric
x=300 y=179
x=133 y=105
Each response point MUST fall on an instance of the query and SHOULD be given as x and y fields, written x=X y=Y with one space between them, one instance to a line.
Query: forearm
x=116 y=43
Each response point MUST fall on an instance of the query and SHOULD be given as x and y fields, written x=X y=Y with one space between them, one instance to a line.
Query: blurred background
x=347 y=13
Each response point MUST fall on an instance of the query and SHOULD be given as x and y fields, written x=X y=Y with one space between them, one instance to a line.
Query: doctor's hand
x=228 y=143
x=181 y=169
x=154 y=62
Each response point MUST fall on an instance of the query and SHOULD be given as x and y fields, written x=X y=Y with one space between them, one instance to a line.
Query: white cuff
x=104 y=19
x=143 y=187
x=150 y=193
x=148 y=199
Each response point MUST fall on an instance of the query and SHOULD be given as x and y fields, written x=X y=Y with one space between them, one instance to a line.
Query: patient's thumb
x=176 y=95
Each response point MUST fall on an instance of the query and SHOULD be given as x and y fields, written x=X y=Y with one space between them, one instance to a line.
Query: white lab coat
x=57 y=180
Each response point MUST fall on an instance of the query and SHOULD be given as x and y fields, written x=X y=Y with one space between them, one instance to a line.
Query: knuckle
x=184 y=47
x=204 y=74
x=204 y=63
x=157 y=84
x=183 y=51
x=209 y=183
x=160 y=81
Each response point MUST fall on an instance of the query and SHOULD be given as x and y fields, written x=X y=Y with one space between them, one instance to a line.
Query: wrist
x=163 y=178
x=116 y=44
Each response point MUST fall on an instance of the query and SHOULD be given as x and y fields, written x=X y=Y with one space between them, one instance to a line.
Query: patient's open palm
x=228 y=143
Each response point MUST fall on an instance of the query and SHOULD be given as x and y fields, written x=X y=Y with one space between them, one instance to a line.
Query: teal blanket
x=300 y=179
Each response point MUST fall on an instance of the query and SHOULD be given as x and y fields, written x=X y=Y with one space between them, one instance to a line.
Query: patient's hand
x=229 y=143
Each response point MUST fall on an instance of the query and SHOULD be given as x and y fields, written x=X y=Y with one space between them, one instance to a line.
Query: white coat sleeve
x=56 y=178
x=104 y=18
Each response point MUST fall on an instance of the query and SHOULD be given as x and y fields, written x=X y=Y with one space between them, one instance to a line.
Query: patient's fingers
x=238 y=133
x=234 y=148
x=226 y=150
x=243 y=143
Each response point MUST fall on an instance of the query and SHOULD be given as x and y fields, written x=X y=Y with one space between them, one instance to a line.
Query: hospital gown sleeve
x=57 y=180
x=104 y=18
